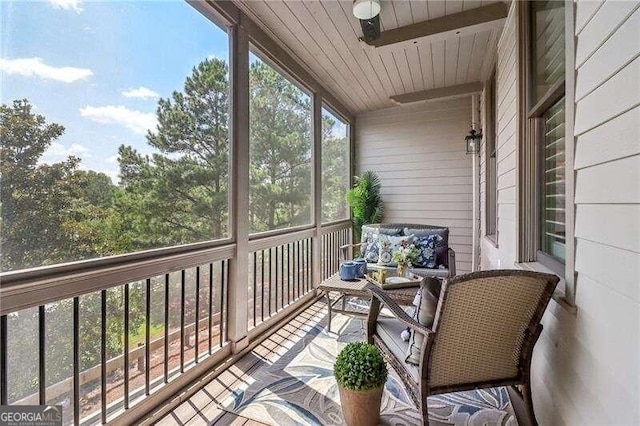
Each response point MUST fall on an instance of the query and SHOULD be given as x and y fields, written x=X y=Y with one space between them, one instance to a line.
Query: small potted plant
x=405 y=257
x=361 y=373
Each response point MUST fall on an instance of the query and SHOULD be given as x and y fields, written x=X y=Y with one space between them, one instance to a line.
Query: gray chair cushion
x=389 y=330
x=442 y=246
x=425 y=313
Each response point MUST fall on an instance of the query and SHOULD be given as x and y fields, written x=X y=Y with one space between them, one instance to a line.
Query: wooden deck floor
x=203 y=407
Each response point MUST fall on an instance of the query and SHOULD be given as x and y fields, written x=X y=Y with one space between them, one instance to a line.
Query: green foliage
x=360 y=367
x=185 y=184
x=365 y=201
x=407 y=255
x=47 y=209
x=280 y=151
x=54 y=213
x=335 y=171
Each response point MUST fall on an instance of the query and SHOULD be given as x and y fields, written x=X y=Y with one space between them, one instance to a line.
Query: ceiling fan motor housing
x=370 y=28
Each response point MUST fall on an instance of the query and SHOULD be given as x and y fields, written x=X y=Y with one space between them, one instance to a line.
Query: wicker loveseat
x=484 y=327
x=445 y=256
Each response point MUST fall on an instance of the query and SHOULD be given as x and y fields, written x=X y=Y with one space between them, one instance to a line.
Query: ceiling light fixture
x=366 y=9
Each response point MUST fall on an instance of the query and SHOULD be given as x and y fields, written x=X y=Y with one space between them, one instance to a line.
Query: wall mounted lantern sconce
x=473 y=140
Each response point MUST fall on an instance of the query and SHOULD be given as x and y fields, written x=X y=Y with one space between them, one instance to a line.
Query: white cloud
x=67 y=4
x=58 y=152
x=136 y=121
x=141 y=93
x=113 y=159
x=30 y=67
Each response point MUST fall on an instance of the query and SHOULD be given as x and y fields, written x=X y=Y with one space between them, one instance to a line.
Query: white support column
x=317 y=188
x=239 y=113
x=475 y=173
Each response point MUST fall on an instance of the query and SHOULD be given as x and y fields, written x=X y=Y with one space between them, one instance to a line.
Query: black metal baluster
x=210 y=304
x=276 y=281
x=222 y=307
x=310 y=265
x=270 y=281
x=334 y=237
x=4 y=391
x=304 y=265
x=282 y=274
x=262 y=287
x=293 y=271
x=183 y=278
x=42 y=384
x=103 y=356
x=329 y=254
x=76 y=361
x=298 y=269
x=288 y=273
x=125 y=315
x=307 y=251
x=166 y=328
x=197 y=326
x=327 y=260
x=147 y=337
x=255 y=279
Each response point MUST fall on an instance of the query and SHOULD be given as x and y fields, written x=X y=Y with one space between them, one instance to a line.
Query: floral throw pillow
x=426 y=246
x=370 y=252
x=387 y=245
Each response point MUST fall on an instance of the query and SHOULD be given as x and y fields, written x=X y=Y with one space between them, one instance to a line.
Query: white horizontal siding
x=586 y=368
x=419 y=153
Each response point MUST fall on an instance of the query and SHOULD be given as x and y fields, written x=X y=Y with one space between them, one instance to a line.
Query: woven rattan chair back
x=484 y=326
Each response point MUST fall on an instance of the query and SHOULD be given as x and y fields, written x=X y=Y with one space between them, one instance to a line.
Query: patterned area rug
x=299 y=388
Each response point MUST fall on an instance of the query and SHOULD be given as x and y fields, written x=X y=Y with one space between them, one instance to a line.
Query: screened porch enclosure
x=224 y=211
x=168 y=214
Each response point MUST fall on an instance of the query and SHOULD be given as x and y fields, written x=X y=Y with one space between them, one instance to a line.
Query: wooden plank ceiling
x=323 y=35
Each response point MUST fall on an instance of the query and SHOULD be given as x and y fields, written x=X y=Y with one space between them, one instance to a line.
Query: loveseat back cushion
x=369 y=246
x=388 y=245
x=378 y=228
x=429 y=295
x=426 y=246
x=442 y=246
x=369 y=239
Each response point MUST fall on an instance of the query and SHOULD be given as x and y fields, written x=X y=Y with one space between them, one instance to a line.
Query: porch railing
x=333 y=236
x=103 y=351
x=114 y=338
x=279 y=273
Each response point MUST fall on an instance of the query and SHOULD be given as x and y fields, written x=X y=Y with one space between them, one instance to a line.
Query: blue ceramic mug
x=348 y=271
x=361 y=267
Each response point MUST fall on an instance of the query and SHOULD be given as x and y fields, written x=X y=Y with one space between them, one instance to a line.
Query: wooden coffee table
x=358 y=288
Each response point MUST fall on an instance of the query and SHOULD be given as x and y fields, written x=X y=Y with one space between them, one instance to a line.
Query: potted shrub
x=361 y=373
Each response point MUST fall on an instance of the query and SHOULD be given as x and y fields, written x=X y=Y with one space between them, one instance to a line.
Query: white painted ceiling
x=323 y=35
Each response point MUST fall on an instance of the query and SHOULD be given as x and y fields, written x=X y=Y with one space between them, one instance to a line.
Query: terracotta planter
x=361 y=408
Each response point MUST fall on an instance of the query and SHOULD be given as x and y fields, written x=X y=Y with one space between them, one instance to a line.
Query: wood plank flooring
x=203 y=407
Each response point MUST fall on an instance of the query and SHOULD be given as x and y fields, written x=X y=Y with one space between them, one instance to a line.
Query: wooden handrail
x=23 y=294
x=335 y=226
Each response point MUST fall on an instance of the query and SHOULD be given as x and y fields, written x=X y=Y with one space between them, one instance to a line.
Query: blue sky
x=97 y=68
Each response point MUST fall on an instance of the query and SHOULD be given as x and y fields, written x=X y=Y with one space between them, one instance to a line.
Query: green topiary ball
x=360 y=367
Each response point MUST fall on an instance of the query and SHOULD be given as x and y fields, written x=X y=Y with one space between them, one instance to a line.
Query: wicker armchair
x=483 y=334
